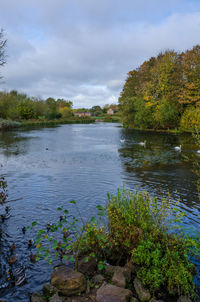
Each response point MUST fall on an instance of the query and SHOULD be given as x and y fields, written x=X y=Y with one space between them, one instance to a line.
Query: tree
x=2 y=49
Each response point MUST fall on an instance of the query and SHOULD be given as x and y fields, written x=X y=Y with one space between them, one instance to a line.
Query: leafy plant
x=131 y=227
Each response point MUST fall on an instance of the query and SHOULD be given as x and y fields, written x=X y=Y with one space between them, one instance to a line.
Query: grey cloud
x=82 y=51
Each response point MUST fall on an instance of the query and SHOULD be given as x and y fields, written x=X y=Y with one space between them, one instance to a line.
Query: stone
x=119 y=279
x=133 y=299
x=112 y=293
x=184 y=299
x=142 y=292
x=87 y=267
x=37 y=297
x=49 y=290
x=110 y=270
x=67 y=281
x=98 y=279
x=55 y=298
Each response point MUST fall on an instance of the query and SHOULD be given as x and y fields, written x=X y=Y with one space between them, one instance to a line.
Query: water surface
x=47 y=167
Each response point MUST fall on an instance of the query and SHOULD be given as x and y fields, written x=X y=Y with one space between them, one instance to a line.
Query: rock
x=55 y=298
x=142 y=292
x=87 y=267
x=184 y=299
x=110 y=270
x=133 y=299
x=49 y=290
x=129 y=265
x=112 y=293
x=67 y=281
x=37 y=297
x=98 y=279
x=119 y=279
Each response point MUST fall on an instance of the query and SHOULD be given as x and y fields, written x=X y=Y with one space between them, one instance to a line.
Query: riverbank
x=108 y=119
x=9 y=125
x=137 y=255
x=174 y=131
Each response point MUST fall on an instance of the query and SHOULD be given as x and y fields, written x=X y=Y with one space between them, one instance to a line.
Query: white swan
x=122 y=140
x=178 y=148
x=143 y=143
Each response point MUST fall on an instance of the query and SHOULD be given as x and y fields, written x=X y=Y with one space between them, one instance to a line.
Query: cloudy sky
x=82 y=49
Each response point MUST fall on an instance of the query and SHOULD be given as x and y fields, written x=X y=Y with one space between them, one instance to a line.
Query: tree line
x=18 y=106
x=163 y=92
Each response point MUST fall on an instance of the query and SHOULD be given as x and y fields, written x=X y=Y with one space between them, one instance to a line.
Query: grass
x=7 y=125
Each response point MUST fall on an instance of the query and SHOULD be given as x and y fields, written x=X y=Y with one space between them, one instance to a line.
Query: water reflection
x=12 y=143
x=158 y=166
x=50 y=166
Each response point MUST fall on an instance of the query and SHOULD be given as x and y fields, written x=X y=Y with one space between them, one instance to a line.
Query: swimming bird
x=12 y=259
x=33 y=257
x=12 y=247
x=142 y=143
x=122 y=140
x=30 y=243
x=178 y=148
x=18 y=275
x=24 y=230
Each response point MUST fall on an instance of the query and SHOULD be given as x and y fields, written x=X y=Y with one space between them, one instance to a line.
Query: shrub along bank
x=133 y=232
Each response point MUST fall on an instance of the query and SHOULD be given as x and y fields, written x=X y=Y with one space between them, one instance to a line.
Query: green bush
x=131 y=227
x=190 y=120
x=166 y=115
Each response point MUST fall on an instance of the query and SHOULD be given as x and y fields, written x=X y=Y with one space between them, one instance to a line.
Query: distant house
x=110 y=111
x=80 y=114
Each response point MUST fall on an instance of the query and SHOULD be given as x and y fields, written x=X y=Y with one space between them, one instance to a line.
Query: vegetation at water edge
x=164 y=92
x=134 y=228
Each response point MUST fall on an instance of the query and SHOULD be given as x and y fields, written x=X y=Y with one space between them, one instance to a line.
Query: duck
x=12 y=259
x=178 y=148
x=33 y=257
x=142 y=143
x=30 y=243
x=12 y=246
x=24 y=230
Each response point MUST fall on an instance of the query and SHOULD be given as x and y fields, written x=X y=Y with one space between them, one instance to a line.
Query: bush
x=166 y=115
x=137 y=228
x=190 y=120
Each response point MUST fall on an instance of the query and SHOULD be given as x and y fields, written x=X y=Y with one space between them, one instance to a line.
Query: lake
x=47 y=167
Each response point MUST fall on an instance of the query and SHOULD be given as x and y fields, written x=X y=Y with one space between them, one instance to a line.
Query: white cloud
x=83 y=52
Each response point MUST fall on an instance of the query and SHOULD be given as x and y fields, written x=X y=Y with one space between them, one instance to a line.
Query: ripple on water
x=83 y=162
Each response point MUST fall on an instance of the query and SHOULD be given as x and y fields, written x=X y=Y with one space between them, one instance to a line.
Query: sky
x=82 y=50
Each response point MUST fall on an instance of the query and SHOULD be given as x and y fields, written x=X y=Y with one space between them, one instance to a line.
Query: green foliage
x=25 y=110
x=5 y=125
x=166 y=115
x=131 y=227
x=164 y=263
x=18 y=106
x=190 y=120
x=158 y=92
